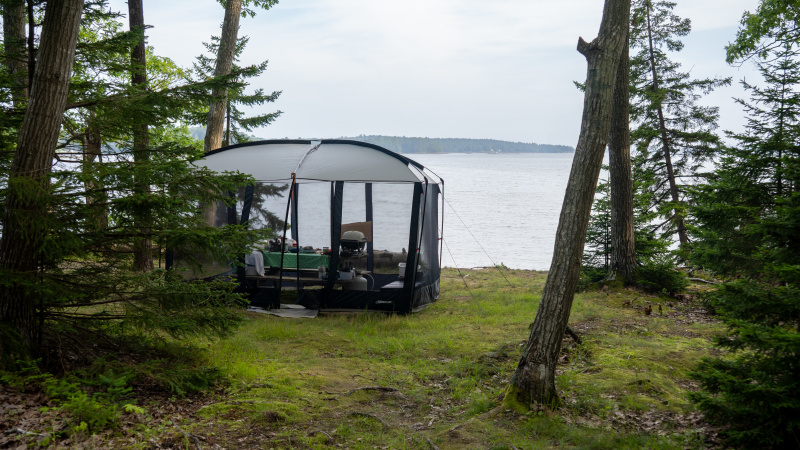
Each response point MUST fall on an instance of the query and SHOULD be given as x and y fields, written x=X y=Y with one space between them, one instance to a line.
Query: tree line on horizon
x=402 y=144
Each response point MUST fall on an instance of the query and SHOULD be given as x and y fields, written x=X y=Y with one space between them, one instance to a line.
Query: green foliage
x=757 y=391
x=672 y=134
x=772 y=24
x=747 y=218
x=178 y=376
x=237 y=123
x=590 y=275
x=659 y=275
x=92 y=401
x=104 y=199
x=597 y=250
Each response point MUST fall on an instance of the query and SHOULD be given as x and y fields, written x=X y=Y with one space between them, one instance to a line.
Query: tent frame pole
x=283 y=240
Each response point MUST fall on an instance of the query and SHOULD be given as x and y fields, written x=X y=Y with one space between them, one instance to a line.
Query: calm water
x=505 y=204
x=509 y=202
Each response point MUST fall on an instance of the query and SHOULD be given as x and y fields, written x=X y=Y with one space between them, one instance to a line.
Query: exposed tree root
x=371 y=416
x=189 y=436
x=573 y=335
x=366 y=388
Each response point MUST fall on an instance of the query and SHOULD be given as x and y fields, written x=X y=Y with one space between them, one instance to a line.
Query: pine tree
x=597 y=251
x=90 y=210
x=747 y=220
x=236 y=121
x=673 y=135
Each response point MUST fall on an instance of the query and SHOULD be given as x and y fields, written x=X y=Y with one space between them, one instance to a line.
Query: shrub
x=590 y=275
x=660 y=275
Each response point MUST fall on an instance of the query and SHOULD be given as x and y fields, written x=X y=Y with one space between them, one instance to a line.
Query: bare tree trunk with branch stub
x=534 y=379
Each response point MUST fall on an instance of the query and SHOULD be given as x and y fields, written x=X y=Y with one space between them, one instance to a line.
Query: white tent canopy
x=327 y=160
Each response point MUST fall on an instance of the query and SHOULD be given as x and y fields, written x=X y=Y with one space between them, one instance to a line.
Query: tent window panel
x=391 y=204
x=314 y=215
x=268 y=208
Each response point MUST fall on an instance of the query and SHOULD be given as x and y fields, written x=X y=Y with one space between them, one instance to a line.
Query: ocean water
x=500 y=208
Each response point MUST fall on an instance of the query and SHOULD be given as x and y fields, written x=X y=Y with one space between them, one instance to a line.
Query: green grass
x=310 y=383
x=291 y=380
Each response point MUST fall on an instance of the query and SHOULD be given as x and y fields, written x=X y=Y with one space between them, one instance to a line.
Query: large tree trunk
x=683 y=236
x=142 y=248
x=24 y=229
x=216 y=112
x=534 y=379
x=225 y=54
x=15 y=49
x=623 y=250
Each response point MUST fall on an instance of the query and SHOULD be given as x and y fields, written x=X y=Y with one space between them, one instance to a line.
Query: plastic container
x=346 y=276
x=401 y=269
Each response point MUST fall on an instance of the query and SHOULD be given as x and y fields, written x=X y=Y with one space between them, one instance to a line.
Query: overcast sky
x=501 y=69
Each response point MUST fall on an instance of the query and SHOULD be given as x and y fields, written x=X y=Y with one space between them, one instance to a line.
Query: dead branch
x=367 y=388
x=700 y=280
x=189 y=436
x=571 y=333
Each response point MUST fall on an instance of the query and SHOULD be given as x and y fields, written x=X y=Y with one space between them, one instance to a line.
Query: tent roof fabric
x=325 y=160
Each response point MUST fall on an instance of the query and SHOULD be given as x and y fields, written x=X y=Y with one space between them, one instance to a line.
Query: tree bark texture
x=225 y=54
x=623 y=250
x=534 y=379
x=92 y=150
x=24 y=228
x=142 y=248
x=683 y=236
x=16 y=60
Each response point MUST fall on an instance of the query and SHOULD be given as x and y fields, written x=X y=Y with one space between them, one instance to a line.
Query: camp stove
x=352 y=243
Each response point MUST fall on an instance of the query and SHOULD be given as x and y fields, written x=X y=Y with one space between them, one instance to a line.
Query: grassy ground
x=435 y=379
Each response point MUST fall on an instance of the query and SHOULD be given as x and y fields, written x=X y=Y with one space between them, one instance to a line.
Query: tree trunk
x=92 y=150
x=623 y=250
x=534 y=379
x=683 y=236
x=142 y=248
x=15 y=49
x=24 y=228
x=216 y=111
x=31 y=41
x=225 y=54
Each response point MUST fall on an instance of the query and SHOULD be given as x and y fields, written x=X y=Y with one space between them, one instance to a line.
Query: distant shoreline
x=412 y=145
x=485 y=153
x=432 y=146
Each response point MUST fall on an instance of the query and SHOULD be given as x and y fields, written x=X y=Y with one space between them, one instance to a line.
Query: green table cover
x=309 y=261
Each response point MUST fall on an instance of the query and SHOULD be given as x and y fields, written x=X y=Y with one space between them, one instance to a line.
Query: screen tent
x=325 y=188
